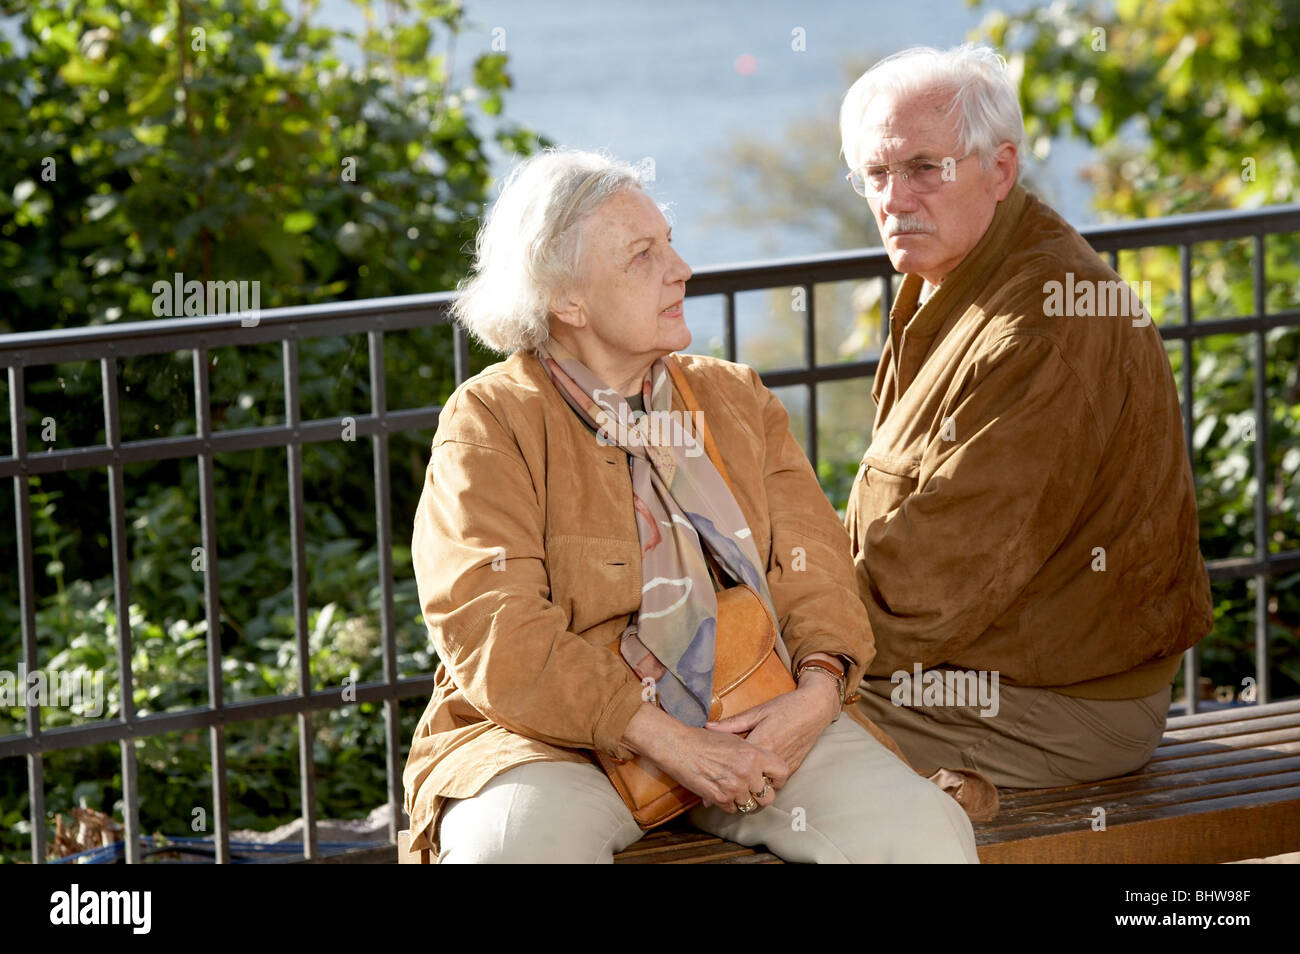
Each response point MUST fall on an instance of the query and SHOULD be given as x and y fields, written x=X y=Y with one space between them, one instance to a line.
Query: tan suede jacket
x=528 y=564
x=1026 y=504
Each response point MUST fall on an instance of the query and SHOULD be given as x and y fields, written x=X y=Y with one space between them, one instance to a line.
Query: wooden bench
x=1222 y=786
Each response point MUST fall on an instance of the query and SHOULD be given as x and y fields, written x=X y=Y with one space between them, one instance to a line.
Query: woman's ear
x=567 y=308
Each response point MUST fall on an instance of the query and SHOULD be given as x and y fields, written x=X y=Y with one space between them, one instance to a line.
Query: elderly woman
x=543 y=535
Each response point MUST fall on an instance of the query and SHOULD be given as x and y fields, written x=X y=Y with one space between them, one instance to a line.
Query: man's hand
x=790 y=724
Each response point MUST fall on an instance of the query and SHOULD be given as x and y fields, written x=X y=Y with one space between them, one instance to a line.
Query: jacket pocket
x=885 y=481
x=593 y=579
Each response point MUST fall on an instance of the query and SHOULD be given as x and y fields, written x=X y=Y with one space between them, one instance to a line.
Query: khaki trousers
x=851 y=801
x=1037 y=739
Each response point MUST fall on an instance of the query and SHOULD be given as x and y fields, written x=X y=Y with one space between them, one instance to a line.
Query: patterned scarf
x=681 y=503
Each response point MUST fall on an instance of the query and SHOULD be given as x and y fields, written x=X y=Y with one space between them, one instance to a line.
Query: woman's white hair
x=529 y=247
x=983 y=97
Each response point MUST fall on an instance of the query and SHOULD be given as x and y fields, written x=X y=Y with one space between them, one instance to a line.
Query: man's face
x=930 y=234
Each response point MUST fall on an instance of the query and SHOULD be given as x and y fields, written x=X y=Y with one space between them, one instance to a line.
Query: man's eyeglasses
x=921 y=175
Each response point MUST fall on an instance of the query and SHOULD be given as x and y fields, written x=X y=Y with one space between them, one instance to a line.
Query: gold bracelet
x=823 y=667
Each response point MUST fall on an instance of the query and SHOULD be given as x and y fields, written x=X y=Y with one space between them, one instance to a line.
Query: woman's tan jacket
x=528 y=565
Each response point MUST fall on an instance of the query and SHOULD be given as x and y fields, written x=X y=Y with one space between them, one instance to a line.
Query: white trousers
x=852 y=801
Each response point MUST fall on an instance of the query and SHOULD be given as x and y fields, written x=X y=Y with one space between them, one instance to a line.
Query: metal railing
x=111 y=343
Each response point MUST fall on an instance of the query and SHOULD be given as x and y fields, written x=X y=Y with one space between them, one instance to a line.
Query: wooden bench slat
x=1011 y=797
x=679 y=840
x=1200 y=798
x=674 y=831
x=757 y=858
x=679 y=844
x=685 y=854
x=1119 y=810
x=1234 y=827
x=1134 y=786
x=1223 y=730
x=1233 y=714
x=1118 y=816
x=1197 y=757
x=1261 y=740
x=1221 y=756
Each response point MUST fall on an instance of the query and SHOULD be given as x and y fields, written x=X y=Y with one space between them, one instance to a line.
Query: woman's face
x=626 y=310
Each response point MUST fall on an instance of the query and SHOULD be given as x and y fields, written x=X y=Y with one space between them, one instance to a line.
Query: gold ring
x=748 y=807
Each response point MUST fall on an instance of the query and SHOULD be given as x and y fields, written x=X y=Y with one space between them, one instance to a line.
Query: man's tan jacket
x=528 y=565
x=1026 y=504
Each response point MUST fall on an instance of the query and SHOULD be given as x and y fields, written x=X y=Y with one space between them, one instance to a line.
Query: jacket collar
x=527 y=366
x=972 y=271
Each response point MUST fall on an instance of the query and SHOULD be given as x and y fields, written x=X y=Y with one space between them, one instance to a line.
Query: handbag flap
x=746 y=635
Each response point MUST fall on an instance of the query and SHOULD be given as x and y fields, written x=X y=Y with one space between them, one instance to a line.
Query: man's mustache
x=907 y=223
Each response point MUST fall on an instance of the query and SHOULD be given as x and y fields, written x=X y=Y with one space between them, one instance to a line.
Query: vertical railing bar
x=1262 y=683
x=729 y=326
x=36 y=803
x=1192 y=659
x=212 y=606
x=27 y=603
x=460 y=343
x=122 y=602
x=306 y=735
x=810 y=356
x=809 y=329
x=384 y=532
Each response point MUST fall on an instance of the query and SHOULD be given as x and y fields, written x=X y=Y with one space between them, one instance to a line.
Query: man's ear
x=565 y=307
x=1006 y=163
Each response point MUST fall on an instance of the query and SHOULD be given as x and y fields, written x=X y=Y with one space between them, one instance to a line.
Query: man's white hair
x=983 y=96
x=529 y=247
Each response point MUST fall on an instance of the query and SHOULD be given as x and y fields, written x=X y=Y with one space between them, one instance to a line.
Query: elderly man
x=1024 y=521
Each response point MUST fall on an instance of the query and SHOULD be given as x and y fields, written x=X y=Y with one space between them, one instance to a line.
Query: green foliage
x=234 y=141
x=1177 y=96
x=169 y=666
x=231 y=141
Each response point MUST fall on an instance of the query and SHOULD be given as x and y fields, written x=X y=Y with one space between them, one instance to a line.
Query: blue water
x=660 y=80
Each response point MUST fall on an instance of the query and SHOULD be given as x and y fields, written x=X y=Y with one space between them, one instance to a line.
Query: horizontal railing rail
x=109 y=344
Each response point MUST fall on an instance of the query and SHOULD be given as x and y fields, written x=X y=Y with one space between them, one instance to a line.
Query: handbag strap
x=697 y=416
x=710 y=446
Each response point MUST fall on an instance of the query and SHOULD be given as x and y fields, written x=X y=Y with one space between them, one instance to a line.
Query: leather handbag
x=746 y=672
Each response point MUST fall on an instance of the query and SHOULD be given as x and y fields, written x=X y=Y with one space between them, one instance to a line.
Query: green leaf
x=300 y=221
